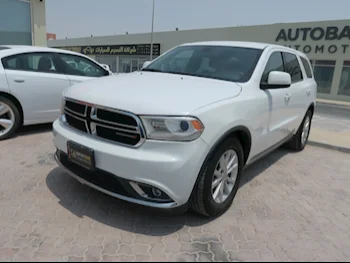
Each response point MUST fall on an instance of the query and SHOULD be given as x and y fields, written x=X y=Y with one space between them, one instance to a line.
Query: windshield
x=234 y=64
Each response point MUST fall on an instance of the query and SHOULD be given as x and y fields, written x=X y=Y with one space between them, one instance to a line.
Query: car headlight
x=172 y=128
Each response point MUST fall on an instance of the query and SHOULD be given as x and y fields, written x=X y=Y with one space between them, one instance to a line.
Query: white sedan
x=32 y=80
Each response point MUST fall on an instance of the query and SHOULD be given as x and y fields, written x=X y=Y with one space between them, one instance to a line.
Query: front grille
x=112 y=125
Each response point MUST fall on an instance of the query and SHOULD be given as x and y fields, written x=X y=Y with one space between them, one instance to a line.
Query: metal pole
x=151 y=57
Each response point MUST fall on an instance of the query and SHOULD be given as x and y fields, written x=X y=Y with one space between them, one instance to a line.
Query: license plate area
x=81 y=155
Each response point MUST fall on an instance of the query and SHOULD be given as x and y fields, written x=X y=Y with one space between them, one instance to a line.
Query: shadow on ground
x=34 y=129
x=86 y=202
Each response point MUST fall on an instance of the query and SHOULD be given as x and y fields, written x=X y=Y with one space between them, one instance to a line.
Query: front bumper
x=171 y=167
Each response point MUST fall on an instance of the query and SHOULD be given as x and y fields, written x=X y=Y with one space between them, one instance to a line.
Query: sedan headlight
x=172 y=128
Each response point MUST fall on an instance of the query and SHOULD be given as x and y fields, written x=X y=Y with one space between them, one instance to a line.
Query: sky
x=81 y=18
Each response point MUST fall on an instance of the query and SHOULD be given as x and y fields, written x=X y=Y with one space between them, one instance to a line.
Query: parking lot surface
x=290 y=207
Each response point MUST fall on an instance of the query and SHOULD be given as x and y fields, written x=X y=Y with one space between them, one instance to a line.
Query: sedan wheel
x=7 y=118
x=10 y=118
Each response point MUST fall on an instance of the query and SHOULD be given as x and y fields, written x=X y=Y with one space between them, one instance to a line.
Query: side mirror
x=146 y=64
x=277 y=80
x=106 y=67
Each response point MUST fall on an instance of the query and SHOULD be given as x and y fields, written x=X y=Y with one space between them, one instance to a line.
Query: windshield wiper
x=151 y=70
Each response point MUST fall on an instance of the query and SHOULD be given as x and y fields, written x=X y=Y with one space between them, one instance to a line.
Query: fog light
x=156 y=192
x=150 y=192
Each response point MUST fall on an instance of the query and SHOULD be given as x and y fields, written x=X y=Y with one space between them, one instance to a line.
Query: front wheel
x=299 y=140
x=219 y=179
x=10 y=118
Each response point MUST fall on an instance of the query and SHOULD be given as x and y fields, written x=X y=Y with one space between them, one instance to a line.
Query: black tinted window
x=293 y=67
x=275 y=63
x=80 y=66
x=235 y=64
x=307 y=67
x=37 y=62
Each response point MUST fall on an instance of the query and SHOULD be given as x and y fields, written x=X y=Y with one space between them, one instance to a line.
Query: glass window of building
x=344 y=86
x=323 y=72
x=15 y=23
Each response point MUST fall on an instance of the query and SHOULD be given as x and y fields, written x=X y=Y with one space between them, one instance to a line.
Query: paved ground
x=290 y=207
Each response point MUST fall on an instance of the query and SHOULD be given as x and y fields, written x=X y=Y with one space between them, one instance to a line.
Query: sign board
x=137 y=49
x=317 y=34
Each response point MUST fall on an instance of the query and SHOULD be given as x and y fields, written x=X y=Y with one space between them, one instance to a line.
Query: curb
x=329 y=146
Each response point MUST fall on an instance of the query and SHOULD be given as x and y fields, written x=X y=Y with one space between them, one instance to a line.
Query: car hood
x=153 y=93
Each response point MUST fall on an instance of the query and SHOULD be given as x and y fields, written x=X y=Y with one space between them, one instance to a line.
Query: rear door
x=297 y=92
x=78 y=68
x=35 y=80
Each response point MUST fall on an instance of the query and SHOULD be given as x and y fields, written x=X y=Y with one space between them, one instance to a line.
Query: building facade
x=22 y=22
x=327 y=43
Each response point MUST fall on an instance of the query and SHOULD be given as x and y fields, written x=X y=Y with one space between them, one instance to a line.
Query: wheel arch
x=312 y=108
x=15 y=101
x=242 y=133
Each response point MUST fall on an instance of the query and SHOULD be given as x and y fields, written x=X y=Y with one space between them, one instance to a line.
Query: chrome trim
x=115 y=128
x=93 y=116
x=139 y=128
x=128 y=199
x=83 y=120
x=74 y=112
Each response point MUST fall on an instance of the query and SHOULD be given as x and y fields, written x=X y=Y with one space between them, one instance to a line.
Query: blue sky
x=79 y=18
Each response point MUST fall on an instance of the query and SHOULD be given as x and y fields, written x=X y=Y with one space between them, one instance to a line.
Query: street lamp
x=151 y=57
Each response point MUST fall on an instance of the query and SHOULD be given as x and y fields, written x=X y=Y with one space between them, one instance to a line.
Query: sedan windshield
x=235 y=64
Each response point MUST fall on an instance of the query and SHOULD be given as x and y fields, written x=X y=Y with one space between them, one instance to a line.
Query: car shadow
x=33 y=129
x=84 y=201
x=263 y=164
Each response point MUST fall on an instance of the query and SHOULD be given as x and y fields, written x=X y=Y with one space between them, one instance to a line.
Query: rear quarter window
x=307 y=67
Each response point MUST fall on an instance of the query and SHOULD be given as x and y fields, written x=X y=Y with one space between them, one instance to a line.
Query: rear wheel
x=299 y=140
x=219 y=180
x=10 y=118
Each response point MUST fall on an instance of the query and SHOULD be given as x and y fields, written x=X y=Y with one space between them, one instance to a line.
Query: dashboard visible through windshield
x=235 y=64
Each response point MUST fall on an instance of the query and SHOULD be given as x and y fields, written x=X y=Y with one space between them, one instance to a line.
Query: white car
x=32 y=80
x=179 y=134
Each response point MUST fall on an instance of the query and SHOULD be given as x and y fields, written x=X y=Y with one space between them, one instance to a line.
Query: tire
x=297 y=143
x=202 y=199
x=14 y=115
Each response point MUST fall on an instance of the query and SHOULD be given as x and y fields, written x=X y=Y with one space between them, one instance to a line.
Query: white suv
x=179 y=132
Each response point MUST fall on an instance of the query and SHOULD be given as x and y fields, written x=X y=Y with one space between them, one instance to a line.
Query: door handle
x=19 y=80
x=287 y=97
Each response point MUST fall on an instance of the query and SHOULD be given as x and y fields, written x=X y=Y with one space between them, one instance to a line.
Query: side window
x=293 y=67
x=275 y=63
x=79 y=66
x=307 y=67
x=36 y=62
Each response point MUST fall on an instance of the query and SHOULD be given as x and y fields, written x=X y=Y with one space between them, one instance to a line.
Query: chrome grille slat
x=118 y=132
x=93 y=117
x=117 y=129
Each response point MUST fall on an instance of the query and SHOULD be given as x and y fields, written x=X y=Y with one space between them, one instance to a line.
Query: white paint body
x=269 y=115
x=38 y=93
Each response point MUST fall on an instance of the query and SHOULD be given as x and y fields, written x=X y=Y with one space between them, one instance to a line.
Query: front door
x=278 y=103
x=35 y=80
x=78 y=68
